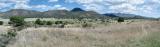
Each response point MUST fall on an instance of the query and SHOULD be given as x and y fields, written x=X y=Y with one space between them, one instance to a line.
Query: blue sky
x=149 y=8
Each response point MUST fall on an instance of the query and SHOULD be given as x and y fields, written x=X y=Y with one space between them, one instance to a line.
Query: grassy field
x=135 y=34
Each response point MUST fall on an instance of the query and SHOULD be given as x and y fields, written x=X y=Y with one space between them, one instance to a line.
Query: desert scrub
x=6 y=38
x=84 y=25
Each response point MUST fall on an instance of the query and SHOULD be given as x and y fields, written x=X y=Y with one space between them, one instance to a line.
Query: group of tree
x=40 y=22
x=19 y=21
x=60 y=24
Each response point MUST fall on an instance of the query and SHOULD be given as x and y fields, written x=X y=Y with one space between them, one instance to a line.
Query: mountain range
x=74 y=13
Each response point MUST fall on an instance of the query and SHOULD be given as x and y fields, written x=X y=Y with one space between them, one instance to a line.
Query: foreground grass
x=142 y=34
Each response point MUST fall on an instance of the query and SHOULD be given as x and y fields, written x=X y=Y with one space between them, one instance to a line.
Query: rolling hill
x=128 y=16
x=75 y=13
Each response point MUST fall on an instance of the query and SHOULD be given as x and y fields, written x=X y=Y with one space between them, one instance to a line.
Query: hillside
x=127 y=16
x=20 y=12
x=75 y=13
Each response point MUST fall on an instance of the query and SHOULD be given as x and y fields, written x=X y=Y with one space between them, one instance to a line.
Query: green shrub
x=1 y=22
x=58 y=22
x=11 y=34
x=43 y=23
x=17 y=20
x=39 y=22
x=49 y=23
x=10 y=23
x=120 y=19
x=6 y=38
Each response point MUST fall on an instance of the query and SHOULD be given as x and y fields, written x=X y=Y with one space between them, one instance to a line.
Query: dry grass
x=118 y=35
x=4 y=29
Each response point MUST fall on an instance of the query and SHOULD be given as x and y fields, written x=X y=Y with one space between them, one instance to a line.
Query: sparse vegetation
x=76 y=28
x=123 y=35
x=11 y=34
x=120 y=35
x=6 y=38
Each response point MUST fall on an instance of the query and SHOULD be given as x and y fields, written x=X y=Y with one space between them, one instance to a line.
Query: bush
x=6 y=38
x=39 y=22
x=17 y=21
x=86 y=25
x=120 y=19
x=11 y=34
x=58 y=22
x=43 y=23
x=10 y=23
x=1 y=22
x=49 y=23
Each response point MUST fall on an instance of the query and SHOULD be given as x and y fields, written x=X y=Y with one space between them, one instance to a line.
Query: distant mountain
x=20 y=12
x=129 y=16
x=110 y=15
x=77 y=9
x=75 y=13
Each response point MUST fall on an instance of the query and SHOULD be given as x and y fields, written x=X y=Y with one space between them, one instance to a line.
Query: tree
x=38 y=21
x=17 y=21
x=49 y=23
x=120 y=19
x=1 y=22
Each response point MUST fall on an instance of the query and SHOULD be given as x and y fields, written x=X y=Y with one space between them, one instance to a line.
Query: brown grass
x=118 y=35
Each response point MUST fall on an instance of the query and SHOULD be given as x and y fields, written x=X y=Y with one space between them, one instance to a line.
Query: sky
x=148 y=8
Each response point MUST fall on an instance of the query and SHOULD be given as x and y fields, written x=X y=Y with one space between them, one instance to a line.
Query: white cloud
x=135 y=2
x=21 y=4
x=3 y=5
x=155 y=1
x=126 y=8
x=59 y=7
x=41 y=6
x=94 y=7
x=16 y=4
x=53 y=1
x=122 y=6
x=46 y=7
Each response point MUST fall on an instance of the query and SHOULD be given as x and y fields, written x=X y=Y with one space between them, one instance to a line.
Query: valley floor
x=136 y=34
